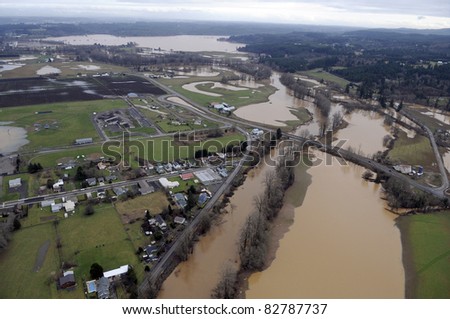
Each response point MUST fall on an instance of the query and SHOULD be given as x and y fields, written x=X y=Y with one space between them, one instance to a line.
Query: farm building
x=111 y=274
x=208 y=176
x=56 y=207
x=67 y=280
x=81 y=141
x=168 y=184
x=15 y=183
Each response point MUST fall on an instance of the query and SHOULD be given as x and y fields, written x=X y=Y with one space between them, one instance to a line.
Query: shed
x=56 y=207
x=17 y=182
x=81 y=141
x=67 y=281
x=47 y=203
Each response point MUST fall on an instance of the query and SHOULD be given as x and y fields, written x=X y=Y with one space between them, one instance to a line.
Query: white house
x=58 y=184
x=69 y=206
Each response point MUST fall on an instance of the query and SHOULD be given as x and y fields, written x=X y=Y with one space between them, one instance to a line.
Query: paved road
x=38 y=199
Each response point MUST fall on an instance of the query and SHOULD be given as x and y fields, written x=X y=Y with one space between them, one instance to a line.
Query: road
x=38 y=199
x=161 y=266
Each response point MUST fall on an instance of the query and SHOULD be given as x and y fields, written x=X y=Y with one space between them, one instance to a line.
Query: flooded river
x=342 y=243
x=196 y=277
x=338 y=240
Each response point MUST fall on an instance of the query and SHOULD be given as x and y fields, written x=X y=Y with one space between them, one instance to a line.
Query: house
x=58 y=184
x=67 y=280
x=14 y=183
x=56 y=207
x=168 y=184
x=150 y=250
x=112 y=274
x=404 y=169
x=81 y=141
x=102 y=286
x=202 y=199
x=179 y=220
x=160 y=169
x=168 y=167
x=69 y=206
x=101 y=166
x=227 y=109
x=257 y=132
x=91 y=181
x=101 y=180
x=145 y=188
x=180 y=199
x=160 y=222
x=187 y=176
x=110 y=178
x=119 y=191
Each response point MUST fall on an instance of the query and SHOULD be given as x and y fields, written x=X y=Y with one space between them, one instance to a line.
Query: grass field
x=432 y=123
x=320 y=74
x=84 y=240
x=133 y=209
x=235 y=98
x=303 y=116
x=426 y=252
x=163 y=150
x=17 y=276
x=66 y=122
x=413 y=151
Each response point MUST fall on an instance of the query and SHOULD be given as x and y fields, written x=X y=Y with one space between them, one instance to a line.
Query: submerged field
x=41 y=90
x=426 y=254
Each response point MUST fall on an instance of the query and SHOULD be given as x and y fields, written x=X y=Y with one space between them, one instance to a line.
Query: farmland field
x=58 y=124
x=41 y=90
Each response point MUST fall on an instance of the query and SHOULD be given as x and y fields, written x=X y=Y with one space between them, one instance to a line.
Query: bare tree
x=226 y=287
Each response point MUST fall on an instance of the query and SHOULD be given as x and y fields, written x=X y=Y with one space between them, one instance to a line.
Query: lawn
x=84 y=240
x=18 y=278
x=52 y=159
x=99 y=238
x=235 y=98
x=133 y=209
x=65 y=122
x=14 y=194
x=426 y=252
x=320 y=74
x=413 y=151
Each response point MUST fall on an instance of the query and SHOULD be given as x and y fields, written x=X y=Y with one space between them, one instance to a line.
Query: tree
x=80 y=175
x=89 y=210
x=226 y=288
x=279 y=134
x=16 y=224
x=96 y=271
x=192 y=198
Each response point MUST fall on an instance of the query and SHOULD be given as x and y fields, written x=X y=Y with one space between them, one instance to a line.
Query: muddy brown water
x=196 y=277
x=342 y=243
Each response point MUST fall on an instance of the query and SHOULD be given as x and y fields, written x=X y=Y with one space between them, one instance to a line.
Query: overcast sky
x=365 y=13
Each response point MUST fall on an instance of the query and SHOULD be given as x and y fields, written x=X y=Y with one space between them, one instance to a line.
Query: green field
x=66 y=122
x=52 y=159
x=84 y=240
x=413 y=151
x=320 y=74
x=426 y=254
x=235 y=98
x=18 y=277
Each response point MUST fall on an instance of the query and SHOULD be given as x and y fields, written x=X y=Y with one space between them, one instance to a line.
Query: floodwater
x=193 y=88
x=11 y=139
x=276 y=110
x=189 y=43
x=446 y=159
x=342 y=243
x=364 y=132
x=47 y=70
x=10 y=66
x=196 y=277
